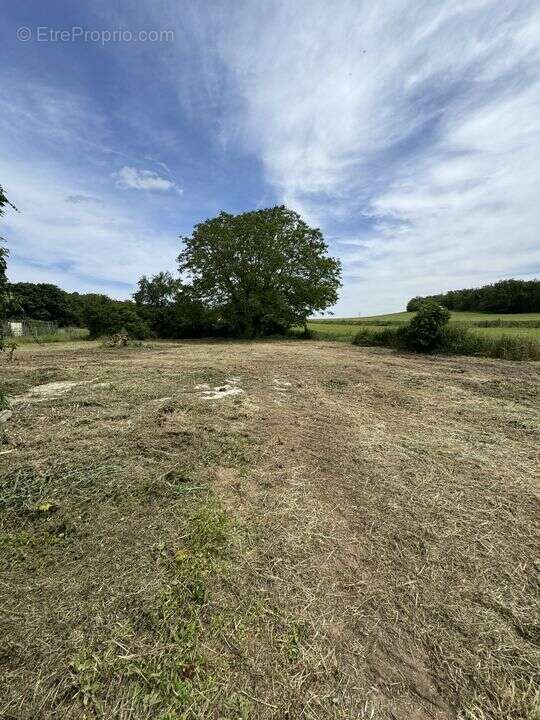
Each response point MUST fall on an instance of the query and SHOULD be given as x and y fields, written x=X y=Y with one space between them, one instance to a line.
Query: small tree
x=425 y=332
x=3 y=267
x=414 y=304
x=104 y=316
x=261 y=271
x=171 y=308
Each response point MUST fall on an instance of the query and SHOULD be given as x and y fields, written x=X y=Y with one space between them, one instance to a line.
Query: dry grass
x=355 y=536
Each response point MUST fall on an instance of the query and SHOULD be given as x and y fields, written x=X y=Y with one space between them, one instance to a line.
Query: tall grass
x=496 y=323
x=61 y=335
x=458 y=340
x=462 y=341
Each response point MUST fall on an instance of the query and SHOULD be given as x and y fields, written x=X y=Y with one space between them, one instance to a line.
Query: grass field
x=455 y=317
x=61 y=335
x=345 y=329
x=274 y=530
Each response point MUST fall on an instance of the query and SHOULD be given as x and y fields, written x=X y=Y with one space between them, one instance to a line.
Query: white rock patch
x=230 y=388
x=281 y=383
x=54 y=389
x=281 y=387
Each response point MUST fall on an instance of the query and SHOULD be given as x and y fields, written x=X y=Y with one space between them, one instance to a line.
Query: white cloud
x=78 y=245
x=409 y=132
x=416 y=123
x=78 y=199
x=131 y=178
x=74 y=228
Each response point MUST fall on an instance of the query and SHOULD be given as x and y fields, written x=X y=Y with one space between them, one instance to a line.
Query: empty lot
x=268 y=530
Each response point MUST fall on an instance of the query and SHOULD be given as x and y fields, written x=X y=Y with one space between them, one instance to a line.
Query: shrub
x=457 y=340
x=425 y=332
x=107 y=317
x=414 y=304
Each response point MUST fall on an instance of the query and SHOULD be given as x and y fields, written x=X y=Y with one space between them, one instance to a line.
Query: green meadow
x=485 y=324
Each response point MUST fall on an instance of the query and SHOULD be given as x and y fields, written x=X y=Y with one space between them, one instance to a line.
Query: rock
x=5 y=415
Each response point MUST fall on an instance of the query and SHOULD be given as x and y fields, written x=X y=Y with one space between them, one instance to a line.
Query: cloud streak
x=408 y=132
x=416 y=124
x=133 y=179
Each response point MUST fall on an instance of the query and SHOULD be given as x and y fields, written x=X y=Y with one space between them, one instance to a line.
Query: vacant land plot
x=268 y=530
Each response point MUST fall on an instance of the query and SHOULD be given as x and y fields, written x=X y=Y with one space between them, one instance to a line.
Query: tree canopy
x=171 y=308
x=43 y=301
x=260 y=271
x=505 y=296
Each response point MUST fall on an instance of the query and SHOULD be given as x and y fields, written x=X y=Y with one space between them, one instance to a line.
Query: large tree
x=260 y=271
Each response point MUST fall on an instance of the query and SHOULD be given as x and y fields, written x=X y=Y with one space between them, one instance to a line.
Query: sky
x=408 y=131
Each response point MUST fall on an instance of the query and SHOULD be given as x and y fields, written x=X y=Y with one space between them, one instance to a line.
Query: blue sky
x=408 y=131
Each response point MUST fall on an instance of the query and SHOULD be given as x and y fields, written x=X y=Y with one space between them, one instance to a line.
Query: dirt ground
x=281 y=529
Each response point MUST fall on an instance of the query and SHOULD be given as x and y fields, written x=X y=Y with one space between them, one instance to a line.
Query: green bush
x=107 y=317
x=459 y=340
x=456 y=340
x=425 y=332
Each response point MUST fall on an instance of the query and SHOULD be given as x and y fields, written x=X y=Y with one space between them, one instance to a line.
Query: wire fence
x=21 y=328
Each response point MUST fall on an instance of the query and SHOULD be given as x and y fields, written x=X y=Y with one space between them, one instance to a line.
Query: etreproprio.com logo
x=102 y=37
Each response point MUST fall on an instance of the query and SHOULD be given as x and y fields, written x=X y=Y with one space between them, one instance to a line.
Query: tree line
x=253 y=274
x=505 y=296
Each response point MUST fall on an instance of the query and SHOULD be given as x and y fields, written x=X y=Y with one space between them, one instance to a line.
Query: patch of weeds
x=35 y=493
x=233 y=449
x=13 y=547
x=23 y=546
x=290 y=641
x=155 y=666
x=334 y=383
x=16 y=539
x=209 y=529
